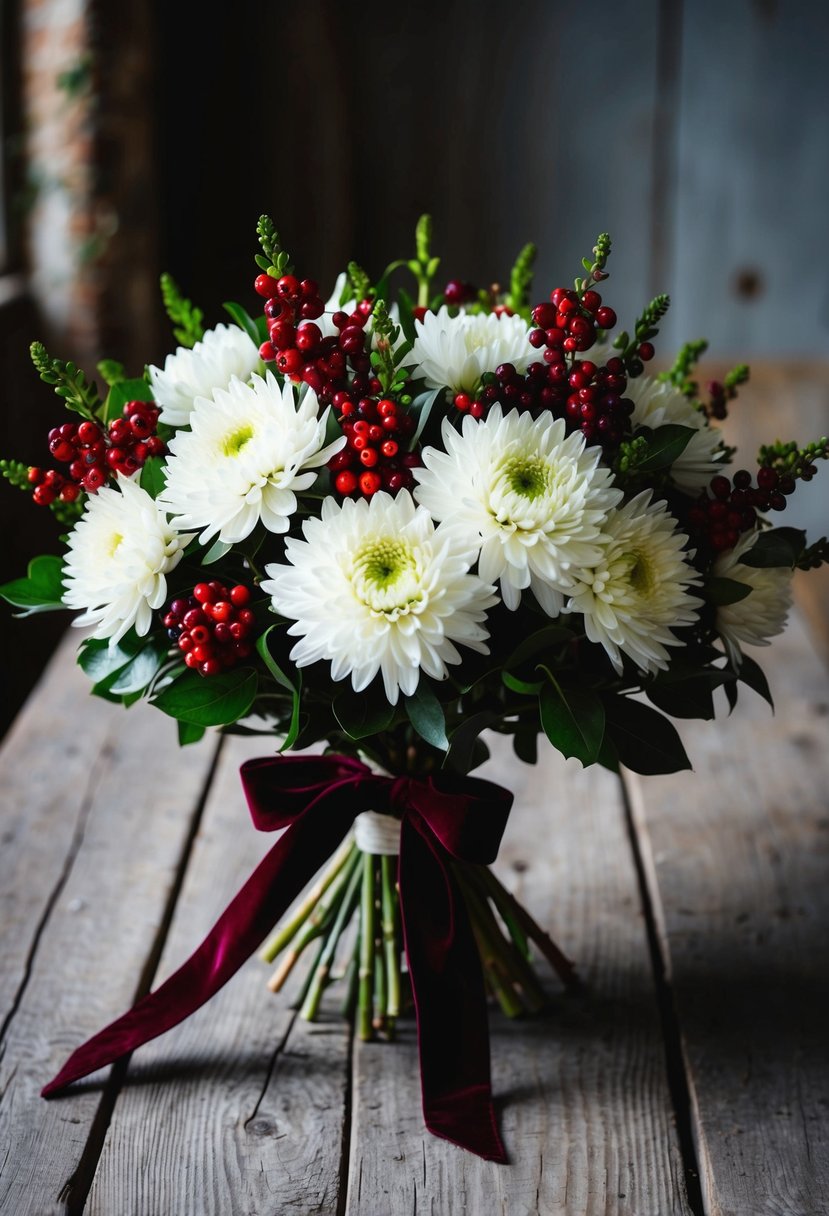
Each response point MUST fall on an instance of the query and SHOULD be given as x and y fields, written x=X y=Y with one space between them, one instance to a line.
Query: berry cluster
x=93 y=454
x=456 y=293
x=591 y=398
x=212 y=627
x=731 y=509
x=568 y=324
x=374 y=457
x=296 y=344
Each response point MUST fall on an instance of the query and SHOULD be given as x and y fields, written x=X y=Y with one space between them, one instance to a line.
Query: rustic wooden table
x=690 y=1077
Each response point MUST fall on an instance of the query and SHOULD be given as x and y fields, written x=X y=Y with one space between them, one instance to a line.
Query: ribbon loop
x=316 y=799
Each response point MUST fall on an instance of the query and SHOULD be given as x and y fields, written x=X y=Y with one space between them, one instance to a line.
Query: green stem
x=287 y=931
x=390 y=905
x=367 y=931
x=513 y=963
x=317 y=922
x=306 y=983
x=499 y=981
x=379 y=1020
x=562 y=966
x=351 y=981
x=319 y=976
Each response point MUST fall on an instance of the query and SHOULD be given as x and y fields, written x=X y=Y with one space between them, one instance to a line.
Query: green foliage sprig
x=17 y=474
x=68 y=381
x=273 y=259
x=112 y=372
x=521 y=279
x=359 y=281
x=387 y=358
x=188 y=327
x=680 y=373
x=595 y=266
x=788 y=459
x=646 y=328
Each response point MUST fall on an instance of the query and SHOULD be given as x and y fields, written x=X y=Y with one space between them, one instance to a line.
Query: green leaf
x=293 y=685
x=365 y=713
x=528 y=688
x=646 y=742
x=426 y=715
x=689 y=699
x=40 y=590
x=461 y=755
x=99 y=660
x=722 y=591
x=136 y=389
x=752 y=674
x=243 y=320
x=216 y=552
x=212 y=700
x=153 y=476
x=665 y=445
x=189 y=733
x=573 y=720
x=525 y=745
x=778 y=547
x=141 y=671
x=422 y=408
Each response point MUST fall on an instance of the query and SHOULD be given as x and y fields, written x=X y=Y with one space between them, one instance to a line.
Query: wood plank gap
x=664 y=142
x=75 y=1190
x=345 y=1151
x=61 y=881
x=674 y=1059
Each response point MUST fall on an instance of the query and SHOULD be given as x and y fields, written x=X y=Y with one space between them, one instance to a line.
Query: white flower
x=763 y=612
x=119 y=552
x=661 y=404
x=530 y=499
x=374 y=587
x=454 y=352
x=223 y=352
x=249 y=451
x=638 y=592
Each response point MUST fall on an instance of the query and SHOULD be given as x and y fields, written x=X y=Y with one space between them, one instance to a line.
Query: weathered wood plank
x=585 y=1110
x=242 y=1108
x=99 y=811
x=749 y=194
x=737 y=855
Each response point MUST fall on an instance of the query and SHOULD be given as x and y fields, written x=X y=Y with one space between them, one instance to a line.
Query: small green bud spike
x=686 y=360
x=521 y=278
x=738 y=375
x=279 y=262
x=188 y=327
x=359 y=281
x=788 y=459
x=423 y=239
x=16 y=473
x=68 y=381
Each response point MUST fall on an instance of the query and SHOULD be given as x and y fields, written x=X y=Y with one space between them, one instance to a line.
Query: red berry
x=345 y=482
x=369 y=457
x=646 y=351
x=289 y=362
x=267 y=352
x=190 y=658
x=370 y=483
x=204 y=593
x=605 y=318
x=211 y=667
x=240 y=595
x=287 y=287
x=35 y=475
x=265 y=285
x=93 y=479
x=89 y=432
x=222 y=611
x=44 y=495
x=767 y=479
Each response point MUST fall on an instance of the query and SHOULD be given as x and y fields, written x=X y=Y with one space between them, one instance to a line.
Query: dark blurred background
x=151 y=136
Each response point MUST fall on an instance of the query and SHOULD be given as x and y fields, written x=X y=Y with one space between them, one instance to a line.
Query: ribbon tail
x=449 y=995
x=241 y=928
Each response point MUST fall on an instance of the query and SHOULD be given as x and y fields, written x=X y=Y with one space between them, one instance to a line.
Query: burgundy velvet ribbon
x=317 y=798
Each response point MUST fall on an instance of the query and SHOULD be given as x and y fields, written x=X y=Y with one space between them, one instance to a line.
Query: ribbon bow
x=317 y=798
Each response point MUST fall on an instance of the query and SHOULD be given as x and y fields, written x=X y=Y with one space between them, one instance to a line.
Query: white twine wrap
x=377 y=834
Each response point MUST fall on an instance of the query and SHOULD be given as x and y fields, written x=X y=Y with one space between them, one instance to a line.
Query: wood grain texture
x=737 y=854
x=753 y=175
x=241 y=1109
x=96 y=831
x=583 y=1101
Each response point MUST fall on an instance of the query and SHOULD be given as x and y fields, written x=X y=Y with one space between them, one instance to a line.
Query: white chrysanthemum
x=763 y=613
x=119 y=553
x=374 y=587
x=454 y=352
x=660 y=404
x=250 y=450
x=223 y=352
x=530 y=499
x=638 y=592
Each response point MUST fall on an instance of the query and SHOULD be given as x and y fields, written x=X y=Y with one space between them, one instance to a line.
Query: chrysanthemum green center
x=384 y=575
x=528 y=476
x=641 y=573
x=233 y=443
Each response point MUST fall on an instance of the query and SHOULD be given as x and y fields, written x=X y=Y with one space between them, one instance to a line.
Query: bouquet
x=377 y=527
